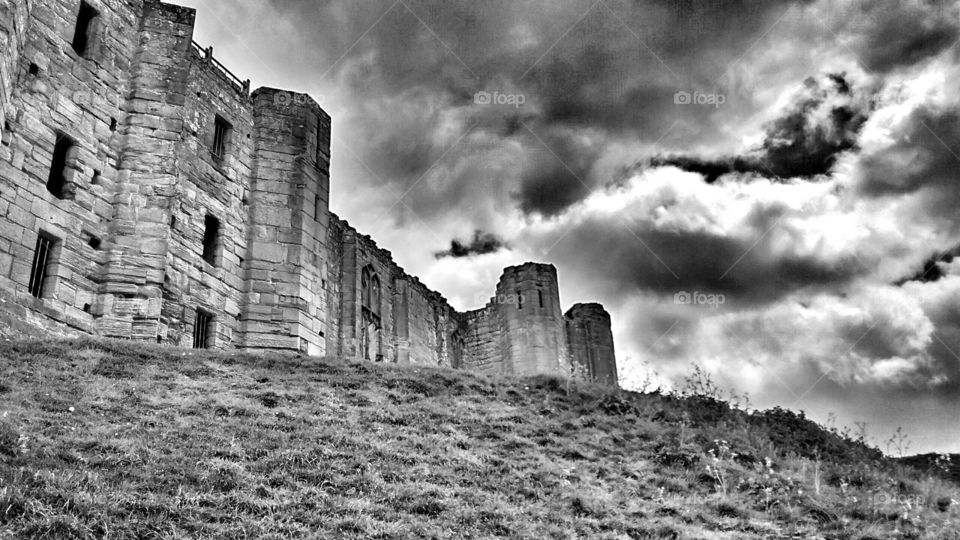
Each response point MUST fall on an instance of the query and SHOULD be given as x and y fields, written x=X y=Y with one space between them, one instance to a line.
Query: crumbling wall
x=483 y=348
x=417 y=325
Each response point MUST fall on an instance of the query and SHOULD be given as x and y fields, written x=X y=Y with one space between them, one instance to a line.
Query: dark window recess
x=317 y=207
x=173 y=221
x=84 y=34
x=34 y=69
x=58 y=168
x=7 y=130
x=221 y=137
x=94 y=242
x=202 y=328
x=96 y=178
x=540 y=297
x=42 y=259
x=86 y=308
x=159 y=339
x=211 y=239
x=519 y=300
x=113 y=124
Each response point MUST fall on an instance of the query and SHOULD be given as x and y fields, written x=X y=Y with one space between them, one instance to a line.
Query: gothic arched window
x=370 y=290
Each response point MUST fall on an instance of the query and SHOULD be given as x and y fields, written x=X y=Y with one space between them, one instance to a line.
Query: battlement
x=149 y=194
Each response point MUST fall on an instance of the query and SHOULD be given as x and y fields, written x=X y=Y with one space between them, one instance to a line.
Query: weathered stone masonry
x=147 y=193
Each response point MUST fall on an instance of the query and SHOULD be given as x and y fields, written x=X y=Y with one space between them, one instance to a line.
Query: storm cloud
x=823 y=121
x=481 y=244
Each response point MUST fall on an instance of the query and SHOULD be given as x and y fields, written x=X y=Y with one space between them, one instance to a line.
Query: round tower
x=534 y=340
x=590 y=342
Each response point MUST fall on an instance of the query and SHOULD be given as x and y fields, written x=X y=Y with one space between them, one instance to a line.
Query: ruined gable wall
x=79 y=97
x=417 y=324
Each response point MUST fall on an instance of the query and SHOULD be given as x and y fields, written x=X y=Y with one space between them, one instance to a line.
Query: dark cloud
x=823 y=122
x=556 y=175
x=892 y=35
x=610 y=68
x=481 y=244
x=747 y=268
x=921 y=157
x=932 y=269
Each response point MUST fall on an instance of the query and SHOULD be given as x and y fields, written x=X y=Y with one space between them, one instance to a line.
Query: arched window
x=370 y=333
x=370 y=290
x=375 y=295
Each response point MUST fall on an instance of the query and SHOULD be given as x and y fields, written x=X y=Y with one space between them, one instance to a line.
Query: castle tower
x=134 y=273
x=533 y=339
x=285 y=267
x=591 y=342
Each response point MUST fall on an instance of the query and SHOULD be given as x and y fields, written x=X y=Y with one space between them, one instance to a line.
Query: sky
x=767 y=190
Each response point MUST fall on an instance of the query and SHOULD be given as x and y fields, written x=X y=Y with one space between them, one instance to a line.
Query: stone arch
x=371 y=332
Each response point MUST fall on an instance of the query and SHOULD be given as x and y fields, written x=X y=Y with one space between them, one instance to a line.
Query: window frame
x=203 y=329
x=222 y=132
x=43 y=259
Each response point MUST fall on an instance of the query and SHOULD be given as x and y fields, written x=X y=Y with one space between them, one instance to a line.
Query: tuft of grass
x=116 y=439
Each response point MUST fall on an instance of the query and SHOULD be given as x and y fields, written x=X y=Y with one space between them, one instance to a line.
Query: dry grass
x=107 y=439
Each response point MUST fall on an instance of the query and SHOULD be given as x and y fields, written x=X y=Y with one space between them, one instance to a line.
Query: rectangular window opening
x=57 y=180
x=42 y=260
x=202 y=330
x=211 y=239
x=86 y=26
x=221 y=137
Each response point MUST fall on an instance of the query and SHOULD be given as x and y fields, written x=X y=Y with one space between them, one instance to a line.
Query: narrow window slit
x=42 y=260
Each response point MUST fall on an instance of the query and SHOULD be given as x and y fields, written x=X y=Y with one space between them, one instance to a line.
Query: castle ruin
x=147 y=193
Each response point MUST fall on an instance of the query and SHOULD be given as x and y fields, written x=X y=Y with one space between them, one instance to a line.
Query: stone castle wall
x=180 y=206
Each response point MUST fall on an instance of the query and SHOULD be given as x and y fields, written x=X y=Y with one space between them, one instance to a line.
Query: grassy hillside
x=106 y=439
